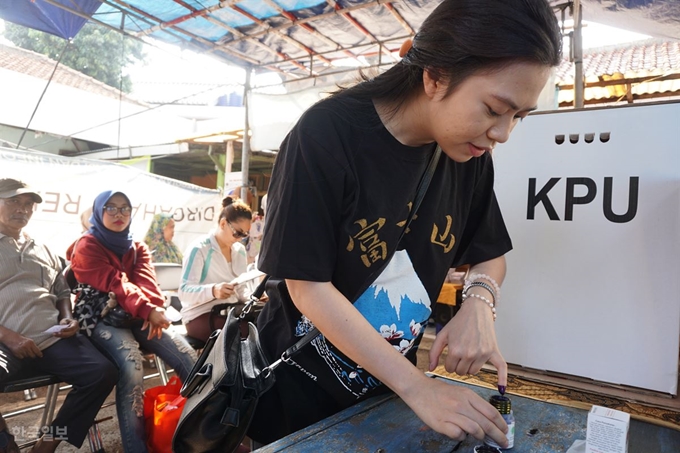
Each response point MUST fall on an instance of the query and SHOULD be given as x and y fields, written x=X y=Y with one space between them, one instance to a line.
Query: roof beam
x=285 y=37
x=356 y=49
x=631 y=80
x=330 y=73
x=291 y=17
x=194 y=13
x=618 y=100
x=397 y=15
x=236 y=32
x=305 y=20
x=349 y=18
x=212 y=46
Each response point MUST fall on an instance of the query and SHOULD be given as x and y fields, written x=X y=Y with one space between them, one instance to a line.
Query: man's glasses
x=237 y=233
x=113 y=210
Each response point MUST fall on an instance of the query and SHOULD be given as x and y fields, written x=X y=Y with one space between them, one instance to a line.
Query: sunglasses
x=237 y=233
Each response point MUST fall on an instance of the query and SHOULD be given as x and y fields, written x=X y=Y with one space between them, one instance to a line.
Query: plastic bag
x=162 y=408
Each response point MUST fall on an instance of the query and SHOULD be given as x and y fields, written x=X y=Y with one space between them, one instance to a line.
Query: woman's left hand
x=70 y=330
x=156 y=322
x=471 y=339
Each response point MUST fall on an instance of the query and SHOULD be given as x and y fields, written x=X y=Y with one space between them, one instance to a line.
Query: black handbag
x=223 y=387
x=231 y=374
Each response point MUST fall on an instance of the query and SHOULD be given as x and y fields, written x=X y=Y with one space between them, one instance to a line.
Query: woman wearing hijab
x=109 y=265
x=159 y=240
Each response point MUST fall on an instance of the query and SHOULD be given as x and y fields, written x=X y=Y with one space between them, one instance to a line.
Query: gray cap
x=11 y=188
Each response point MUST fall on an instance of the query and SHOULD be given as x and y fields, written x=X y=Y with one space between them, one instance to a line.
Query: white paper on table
x=57 y=328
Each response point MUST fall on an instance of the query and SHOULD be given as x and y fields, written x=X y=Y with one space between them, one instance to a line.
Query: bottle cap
x=502 y=403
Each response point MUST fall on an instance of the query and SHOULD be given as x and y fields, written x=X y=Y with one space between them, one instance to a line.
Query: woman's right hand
x=156 y=322
x=455 y=411
x=222 y=290
x=449 y=409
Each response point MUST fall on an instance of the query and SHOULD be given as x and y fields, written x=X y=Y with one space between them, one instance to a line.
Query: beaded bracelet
x=483 y=299
x=484 y=285
x=473 y=277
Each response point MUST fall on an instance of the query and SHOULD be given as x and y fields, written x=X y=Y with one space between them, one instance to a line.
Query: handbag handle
x=420 y=194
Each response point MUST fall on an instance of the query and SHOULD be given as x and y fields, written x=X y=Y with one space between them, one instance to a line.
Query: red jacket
x=133 y=280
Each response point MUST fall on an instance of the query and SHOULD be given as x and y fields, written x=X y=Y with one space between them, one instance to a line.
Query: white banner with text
x=69 y=185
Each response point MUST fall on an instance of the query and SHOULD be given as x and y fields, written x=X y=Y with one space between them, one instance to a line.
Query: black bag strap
x=259 y=291
x=420 y=194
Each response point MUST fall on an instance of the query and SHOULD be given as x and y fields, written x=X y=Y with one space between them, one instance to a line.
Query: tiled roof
x=652 y=59
x=645 y=58
x=34 y=64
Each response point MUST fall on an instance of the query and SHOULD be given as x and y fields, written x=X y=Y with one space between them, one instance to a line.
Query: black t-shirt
x=341 y=190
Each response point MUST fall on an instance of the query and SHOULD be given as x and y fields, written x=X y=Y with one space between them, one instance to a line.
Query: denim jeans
x=122 y=346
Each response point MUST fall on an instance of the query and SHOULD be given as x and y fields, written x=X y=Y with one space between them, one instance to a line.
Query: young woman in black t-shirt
x=344 y=183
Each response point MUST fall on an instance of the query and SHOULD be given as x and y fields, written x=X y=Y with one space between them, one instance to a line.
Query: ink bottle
x=504 y=406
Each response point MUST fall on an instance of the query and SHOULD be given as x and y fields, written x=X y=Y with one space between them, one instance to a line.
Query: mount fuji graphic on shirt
x=396 y=305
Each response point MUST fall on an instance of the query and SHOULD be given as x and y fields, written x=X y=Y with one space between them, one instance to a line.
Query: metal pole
x=578 y=55
x=245 y=150
x=230 y=156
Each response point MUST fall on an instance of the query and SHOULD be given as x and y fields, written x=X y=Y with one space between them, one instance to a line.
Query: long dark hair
x=464 y=37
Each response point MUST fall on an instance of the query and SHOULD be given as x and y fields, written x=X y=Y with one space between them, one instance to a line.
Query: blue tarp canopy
x=298 y=38
x=49 y=17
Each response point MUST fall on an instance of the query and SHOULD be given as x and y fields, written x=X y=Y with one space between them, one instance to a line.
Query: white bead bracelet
x=483 y=299
x=471 y=278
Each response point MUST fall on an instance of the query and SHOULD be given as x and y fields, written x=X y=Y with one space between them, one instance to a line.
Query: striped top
x=203 y=266
x=30 y=285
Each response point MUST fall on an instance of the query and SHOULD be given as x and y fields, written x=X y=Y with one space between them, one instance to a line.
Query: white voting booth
x=592 y=201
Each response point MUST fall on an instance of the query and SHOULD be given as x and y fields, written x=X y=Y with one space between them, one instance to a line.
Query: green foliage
x=96 y=51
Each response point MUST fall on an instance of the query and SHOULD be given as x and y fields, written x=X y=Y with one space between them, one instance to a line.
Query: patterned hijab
x=162 y=250
x=118 y=243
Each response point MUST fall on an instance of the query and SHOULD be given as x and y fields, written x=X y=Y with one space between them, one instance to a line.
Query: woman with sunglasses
x=109 y=265
x=210 y=264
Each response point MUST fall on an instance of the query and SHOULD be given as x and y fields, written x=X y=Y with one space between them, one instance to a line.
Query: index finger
x=498 y=361
x=436 y=350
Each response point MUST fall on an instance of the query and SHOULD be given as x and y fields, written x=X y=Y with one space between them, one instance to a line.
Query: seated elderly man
x=35 y=297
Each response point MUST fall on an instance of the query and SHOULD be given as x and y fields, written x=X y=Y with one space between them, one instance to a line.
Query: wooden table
x=386 y=425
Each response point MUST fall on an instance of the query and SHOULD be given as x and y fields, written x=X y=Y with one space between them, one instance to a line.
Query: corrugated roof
x=36 y=65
